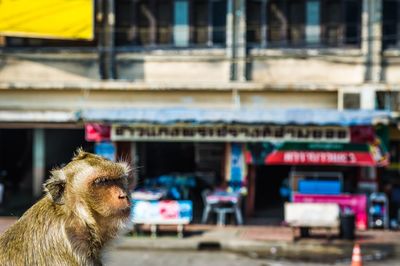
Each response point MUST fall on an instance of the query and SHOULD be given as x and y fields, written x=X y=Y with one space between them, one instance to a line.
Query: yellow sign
x=53 y=19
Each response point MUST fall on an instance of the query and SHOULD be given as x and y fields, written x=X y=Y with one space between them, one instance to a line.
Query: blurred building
x=224 y=62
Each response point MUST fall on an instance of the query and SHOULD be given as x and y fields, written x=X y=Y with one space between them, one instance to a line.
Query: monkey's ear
x=80 y=154
x=55 y=188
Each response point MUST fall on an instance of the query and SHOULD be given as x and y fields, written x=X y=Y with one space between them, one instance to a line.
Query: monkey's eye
x=103 y=181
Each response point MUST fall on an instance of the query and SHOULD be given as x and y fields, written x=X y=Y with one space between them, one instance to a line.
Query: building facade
x=201 y=55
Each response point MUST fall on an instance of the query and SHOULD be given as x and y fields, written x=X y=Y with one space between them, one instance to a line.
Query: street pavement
x=248 y=245
x=274 y=242
x=203 y=258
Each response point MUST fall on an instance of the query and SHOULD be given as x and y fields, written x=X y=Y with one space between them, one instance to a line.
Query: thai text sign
x=54 y=19
x=321 y=158
x=226 y=133
x=322 y=154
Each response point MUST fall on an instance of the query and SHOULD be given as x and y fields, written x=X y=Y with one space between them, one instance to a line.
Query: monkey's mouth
x=124 y=212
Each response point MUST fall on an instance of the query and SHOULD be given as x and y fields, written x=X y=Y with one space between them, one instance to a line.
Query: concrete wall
x=42 y=67
x=73 y=100
x=332 y=70
x=276 y=100
x=176 y=67
x=200 y=66
x=78 y=99
x=391 y=67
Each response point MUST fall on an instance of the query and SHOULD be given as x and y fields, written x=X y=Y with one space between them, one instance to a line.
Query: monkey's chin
x=124 y=213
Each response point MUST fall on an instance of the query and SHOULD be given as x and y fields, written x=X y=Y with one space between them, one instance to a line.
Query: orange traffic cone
x=356 y=259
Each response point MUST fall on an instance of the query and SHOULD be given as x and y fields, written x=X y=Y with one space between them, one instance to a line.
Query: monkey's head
x=92 y=187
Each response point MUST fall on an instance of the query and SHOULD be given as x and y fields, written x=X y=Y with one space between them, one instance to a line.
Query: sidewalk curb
x=316 y=252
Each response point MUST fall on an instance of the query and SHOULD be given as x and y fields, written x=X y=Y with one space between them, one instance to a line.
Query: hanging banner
x=235 y=167
x=52 y=19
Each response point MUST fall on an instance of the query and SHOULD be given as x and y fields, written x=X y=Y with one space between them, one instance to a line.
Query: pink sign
x=169 y=209
x=356 y=203
x=97 y=132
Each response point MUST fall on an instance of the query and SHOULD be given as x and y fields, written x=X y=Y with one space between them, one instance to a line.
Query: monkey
x=85 y=205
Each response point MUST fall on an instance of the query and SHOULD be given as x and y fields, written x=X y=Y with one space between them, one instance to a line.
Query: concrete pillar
x=236 y=38
x=371 y=44
x=368 y=93
x=240 y=28
x=376 y=40
x=106 y=39
x=230 y=36
x=109 y=40
x=38 y=163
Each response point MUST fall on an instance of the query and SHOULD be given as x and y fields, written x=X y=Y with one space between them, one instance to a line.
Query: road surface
x=208 y=258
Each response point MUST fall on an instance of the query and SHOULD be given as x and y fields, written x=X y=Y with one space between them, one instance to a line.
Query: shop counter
x=356 y=203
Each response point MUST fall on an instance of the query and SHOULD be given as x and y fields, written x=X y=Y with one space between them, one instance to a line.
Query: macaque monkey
x=86 y=205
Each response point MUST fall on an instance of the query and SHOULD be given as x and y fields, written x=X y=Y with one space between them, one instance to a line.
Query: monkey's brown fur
x=85 y=205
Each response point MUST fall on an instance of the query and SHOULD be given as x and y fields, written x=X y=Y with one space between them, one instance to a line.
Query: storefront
x=301 y=170
x=28 y=155
x=202 y=145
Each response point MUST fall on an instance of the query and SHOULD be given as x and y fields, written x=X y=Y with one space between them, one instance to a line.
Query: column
x=240 y=28
x=376 y=40
x=368 y=93
x=38 y=161
x=371 y=44
x=100 y=36
x=109 y=39
x=236 y=39
x=230 y=36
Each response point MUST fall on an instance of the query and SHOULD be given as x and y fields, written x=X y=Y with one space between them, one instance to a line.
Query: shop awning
x=343 y=154
x=240 y=116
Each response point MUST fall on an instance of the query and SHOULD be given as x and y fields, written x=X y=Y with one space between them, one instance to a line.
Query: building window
x=388 y=100
x=154 y=22
x=181 y=23
x=254 y=23
x=300 y=23
x=200 y=22
x=391 y=23
x=178 y=23
x=351 y=101
x=218 y=17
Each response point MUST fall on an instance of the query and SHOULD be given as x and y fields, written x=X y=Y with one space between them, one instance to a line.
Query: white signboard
x=228 y=133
